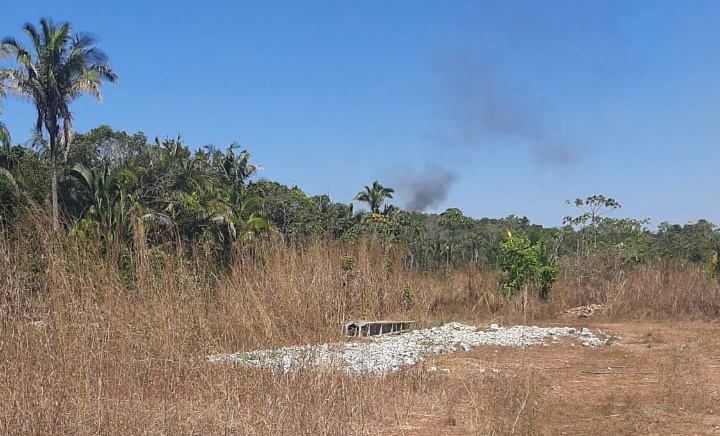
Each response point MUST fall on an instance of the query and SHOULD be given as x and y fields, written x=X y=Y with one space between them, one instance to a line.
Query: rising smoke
x=428 y=188
x=485 y=110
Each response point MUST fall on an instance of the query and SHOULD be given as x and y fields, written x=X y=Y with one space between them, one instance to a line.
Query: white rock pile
x=383 y=354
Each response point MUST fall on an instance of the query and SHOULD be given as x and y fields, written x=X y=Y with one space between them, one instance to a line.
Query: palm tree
x=4 y=132
x=108 y=192
x=374 y=196
x=58 y=69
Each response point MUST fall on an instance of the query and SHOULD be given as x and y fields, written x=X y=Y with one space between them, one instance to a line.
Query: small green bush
x=409 y=298
x=525 y=264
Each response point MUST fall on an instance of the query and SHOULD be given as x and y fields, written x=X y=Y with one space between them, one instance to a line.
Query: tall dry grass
x=670 y=290
x=83 y=351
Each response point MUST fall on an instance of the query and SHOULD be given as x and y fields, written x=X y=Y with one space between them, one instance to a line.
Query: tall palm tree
x=4 y=132
x=374 y=196
x=58 y=68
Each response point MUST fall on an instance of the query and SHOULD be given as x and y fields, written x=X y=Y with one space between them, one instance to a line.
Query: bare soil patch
x=660 y=378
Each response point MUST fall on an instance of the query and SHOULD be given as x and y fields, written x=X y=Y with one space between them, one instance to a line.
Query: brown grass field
x=83 y=353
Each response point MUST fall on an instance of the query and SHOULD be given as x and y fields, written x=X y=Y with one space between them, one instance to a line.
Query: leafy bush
x=525 y=264
x=409 y=298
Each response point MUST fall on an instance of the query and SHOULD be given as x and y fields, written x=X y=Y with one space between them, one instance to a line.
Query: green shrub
x=409 y=298
x=525 y=264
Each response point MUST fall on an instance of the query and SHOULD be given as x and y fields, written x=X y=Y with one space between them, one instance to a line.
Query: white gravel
x=383 y=354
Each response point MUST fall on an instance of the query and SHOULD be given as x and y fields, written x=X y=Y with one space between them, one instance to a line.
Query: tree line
x=110 y=188
x=109 y=178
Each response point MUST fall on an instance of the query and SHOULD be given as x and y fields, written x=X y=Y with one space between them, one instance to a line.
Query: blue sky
x=493 y=107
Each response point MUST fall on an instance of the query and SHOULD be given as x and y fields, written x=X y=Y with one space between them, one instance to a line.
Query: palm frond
x=30 y=30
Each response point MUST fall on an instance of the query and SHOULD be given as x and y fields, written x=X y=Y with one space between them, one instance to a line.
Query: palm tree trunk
x=53 y=183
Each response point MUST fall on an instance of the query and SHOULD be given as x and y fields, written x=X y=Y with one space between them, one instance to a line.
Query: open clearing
x=661 y=378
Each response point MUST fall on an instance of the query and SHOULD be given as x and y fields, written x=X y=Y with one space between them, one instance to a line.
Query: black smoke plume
x=427 y=189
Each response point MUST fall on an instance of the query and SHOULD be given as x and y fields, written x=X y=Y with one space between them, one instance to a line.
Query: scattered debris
x=586 y=311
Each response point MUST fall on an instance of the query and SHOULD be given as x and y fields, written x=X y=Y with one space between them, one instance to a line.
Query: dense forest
x=113 y=184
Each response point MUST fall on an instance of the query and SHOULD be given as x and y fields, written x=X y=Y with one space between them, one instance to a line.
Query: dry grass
x=82 y=353
x=645 y=292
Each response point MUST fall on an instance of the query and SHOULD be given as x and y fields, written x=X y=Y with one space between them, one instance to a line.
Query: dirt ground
x=658 y=378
